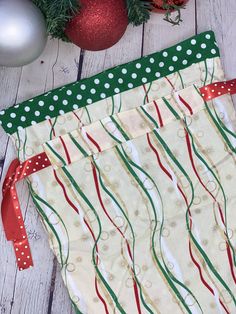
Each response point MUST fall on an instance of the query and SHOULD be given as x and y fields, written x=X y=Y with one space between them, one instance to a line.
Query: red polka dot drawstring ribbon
x=218 y=89
x=12 y=219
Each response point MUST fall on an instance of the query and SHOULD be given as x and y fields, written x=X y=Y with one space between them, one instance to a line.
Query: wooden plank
x=159 y=34
x=60 y=295
x=29 y=291
x=220 y=17
x=9 y=79
x=127 y=49
x=56 y=67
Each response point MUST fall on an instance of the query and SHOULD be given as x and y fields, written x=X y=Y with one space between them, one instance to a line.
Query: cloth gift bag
x=132 y=172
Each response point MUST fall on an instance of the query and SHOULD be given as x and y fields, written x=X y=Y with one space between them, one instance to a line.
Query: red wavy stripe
x=203 y=280
x=230 y=261
x=186 y=105
x=94 y=142
x=91 y=231
x=173 y=87
x=66 y=150
x=100 y=296
x=186 y=201
x=146 y=94
x=209 y=192
x=158 y=114
x=169 y=175
x=78 y=118
x=52 y=127
x=200 y=271
x=64 y=192
x=127 y=243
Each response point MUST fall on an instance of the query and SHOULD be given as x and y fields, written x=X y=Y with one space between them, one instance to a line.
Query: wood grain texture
x=40 y=289
x=32 y=291
x=220 y=17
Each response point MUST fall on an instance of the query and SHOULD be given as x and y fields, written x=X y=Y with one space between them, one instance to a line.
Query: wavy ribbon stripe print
x=132 y=172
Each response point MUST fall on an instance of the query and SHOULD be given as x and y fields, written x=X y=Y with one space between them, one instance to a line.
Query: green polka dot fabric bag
x=132 y=173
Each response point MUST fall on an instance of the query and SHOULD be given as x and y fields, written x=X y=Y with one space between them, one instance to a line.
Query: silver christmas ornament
x=22 y=32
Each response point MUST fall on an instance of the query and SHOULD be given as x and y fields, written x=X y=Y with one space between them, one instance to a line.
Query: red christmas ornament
x=167 y=5
x=98 y=25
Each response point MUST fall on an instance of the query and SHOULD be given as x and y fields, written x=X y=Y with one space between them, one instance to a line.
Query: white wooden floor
x=40 y=290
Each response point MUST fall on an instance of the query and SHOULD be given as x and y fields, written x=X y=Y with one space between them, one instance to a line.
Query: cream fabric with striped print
x=139 y=202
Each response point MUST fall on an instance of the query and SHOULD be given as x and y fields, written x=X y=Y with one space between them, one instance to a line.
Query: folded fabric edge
x=110 y=82
x=183 y=108
x=177 y=101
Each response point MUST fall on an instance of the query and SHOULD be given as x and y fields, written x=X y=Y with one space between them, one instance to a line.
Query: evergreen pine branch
x=57 y=13
x=169 y=12
x=138 y=11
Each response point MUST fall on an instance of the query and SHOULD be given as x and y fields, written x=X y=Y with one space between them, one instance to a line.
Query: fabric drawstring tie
x=12 y=219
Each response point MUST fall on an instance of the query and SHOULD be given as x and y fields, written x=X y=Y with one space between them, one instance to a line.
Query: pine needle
x=138 y=11
x=57 y=13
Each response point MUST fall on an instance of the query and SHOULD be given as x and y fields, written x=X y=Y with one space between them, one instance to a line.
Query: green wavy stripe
x=146 y=93
x=113 y=105
x=56 y=154
x=217 y=124
x=52 y=127
x=181 y=79
x=223 y=125
x=150 y=117
x=36 y=198
x=169 y=273
x=120 y=128
x=77 y=311
x=213 y=72
x=86 y=109
x=206 y=74
x=119 y=109
x=220 y=185
x=162 y=224
x=80 y=148
x=185 y=174
x=24 y=145
x=79 y=191
x=161 y=229
x=177 y=293
x=111 y=135
x=201 y=251
x=132 y=231
x=172 y=110
x=220 y=129
x=18 y=148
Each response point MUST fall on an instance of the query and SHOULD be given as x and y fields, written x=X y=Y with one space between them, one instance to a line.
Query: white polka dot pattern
x=11 y=214
x=110 y=82
x=218 y=89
